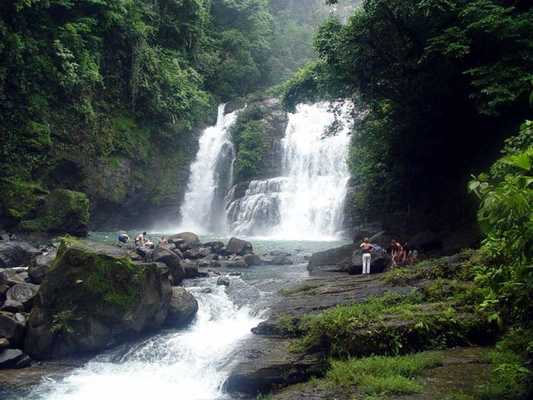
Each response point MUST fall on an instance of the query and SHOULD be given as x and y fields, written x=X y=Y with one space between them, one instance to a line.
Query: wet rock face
x=183 y=308
x=266 y=363
x=16 y=254
x=93 y=299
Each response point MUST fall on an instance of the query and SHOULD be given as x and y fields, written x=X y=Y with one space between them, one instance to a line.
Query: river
x=189 y=364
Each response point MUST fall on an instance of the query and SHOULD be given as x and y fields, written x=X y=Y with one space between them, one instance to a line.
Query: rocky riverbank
x=73 y=298
x=338 y=314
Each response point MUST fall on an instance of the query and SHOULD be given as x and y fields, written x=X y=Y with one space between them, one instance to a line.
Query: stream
x=189 y=364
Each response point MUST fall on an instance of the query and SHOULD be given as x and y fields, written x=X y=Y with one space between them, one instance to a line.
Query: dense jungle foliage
x=443 y=86
x=442 y=83
x=105 y=97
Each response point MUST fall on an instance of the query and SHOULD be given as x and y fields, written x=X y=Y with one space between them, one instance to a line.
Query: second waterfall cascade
x=307 y=201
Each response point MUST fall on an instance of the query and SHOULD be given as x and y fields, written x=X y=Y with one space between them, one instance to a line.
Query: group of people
x=141 y=240
x=400 y=254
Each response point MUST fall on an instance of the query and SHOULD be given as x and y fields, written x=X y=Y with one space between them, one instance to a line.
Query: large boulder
x=183 y=308
x=185 y=240
x=333 y=256
x=379 y=262
x=92 y=299
x=12 y=327
x=16 y=254
x=64 y=211
x=216 y=247
x=239 y=247
x=172 y=261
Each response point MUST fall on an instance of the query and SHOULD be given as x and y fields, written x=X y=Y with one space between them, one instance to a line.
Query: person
x=396 y=252
x=367 y=255
x=140 y=240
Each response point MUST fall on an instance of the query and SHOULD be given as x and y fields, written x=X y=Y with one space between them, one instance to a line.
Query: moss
x=392 y=324
x=381 y=376
x=64 y=211
x=20 y=199
x=93 y=280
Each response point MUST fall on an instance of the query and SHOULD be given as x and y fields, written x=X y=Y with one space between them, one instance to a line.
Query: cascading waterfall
x=190 y=364
x=203 y=207
x=307 y=201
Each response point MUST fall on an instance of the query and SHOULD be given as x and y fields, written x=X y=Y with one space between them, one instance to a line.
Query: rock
x=172 y=261
x=425 y=242
x=331 y=257
x=4 y=287
x=252 y=260
x=13 y=358
x=12 y=306
x=379 y=262
x=190 y=268
x=206 y=291
x=197 y=252
x=381 y=239
x=185 y=240
x=11 y=277
x=269 y=362
x=64 y=211
x=215 y=247
x=40 y=266
x=12 y=327
x=183 y=308
x=4 y=343
x=16 y=254
x=223 y=281
x=93 y=299
x=239 y=247
x=23 y=293
x=235 y=262
x=282 y=259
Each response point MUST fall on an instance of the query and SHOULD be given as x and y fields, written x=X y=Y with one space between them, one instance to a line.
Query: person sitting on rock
x=163 y=242
x=140 y=240
x=367 y=255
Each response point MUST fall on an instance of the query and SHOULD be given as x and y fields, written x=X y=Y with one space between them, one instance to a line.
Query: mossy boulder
x=19 y=200
x=93 y=298
x=64 y=211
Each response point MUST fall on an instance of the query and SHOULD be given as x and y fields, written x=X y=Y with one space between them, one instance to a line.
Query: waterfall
x=210 y=176
x=306 y=202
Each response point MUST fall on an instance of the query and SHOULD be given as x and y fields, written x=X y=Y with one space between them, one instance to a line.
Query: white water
x=199 y=206
x=188 y=365
x=307 y=201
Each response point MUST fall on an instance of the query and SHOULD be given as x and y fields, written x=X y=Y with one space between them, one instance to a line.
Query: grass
x=379 y=376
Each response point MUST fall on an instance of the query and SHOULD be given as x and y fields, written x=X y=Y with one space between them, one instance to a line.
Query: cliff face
x=257 y=136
